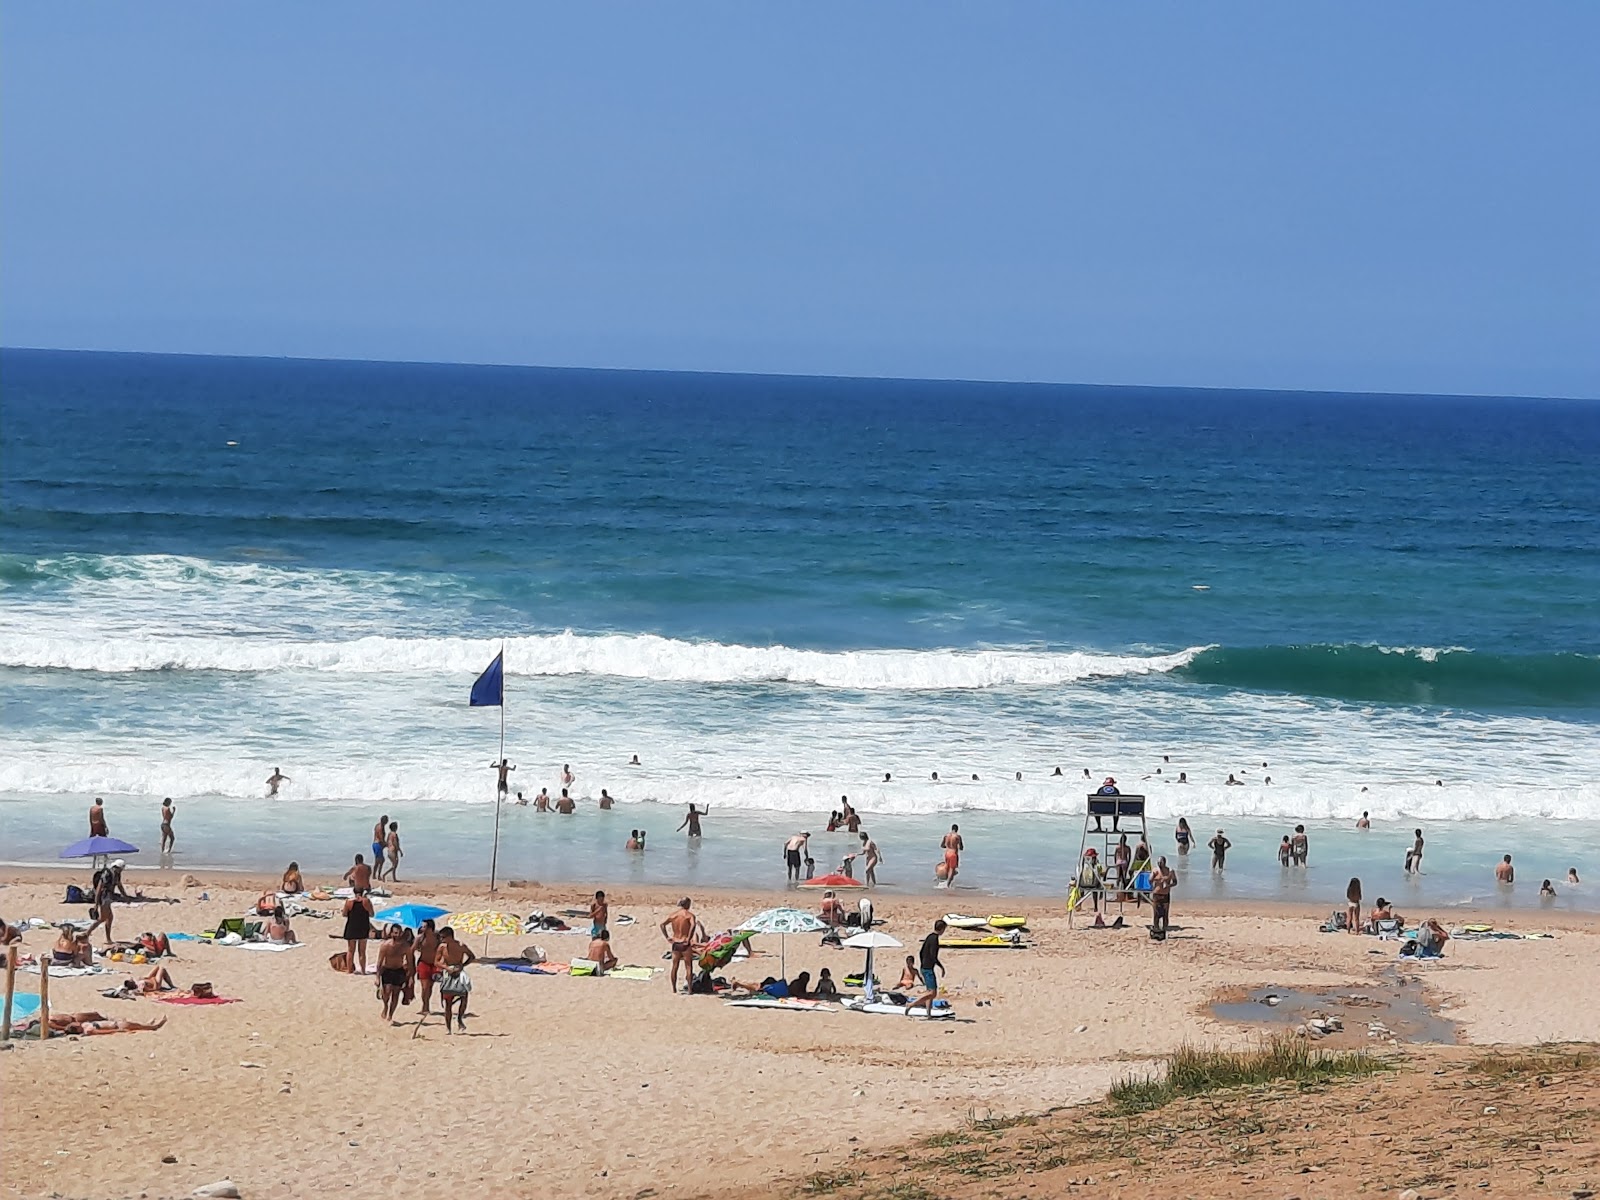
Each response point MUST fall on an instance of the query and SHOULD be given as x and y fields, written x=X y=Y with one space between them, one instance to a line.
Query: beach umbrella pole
x=866 y=983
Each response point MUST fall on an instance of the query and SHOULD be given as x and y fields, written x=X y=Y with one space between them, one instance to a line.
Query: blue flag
x=490 y=689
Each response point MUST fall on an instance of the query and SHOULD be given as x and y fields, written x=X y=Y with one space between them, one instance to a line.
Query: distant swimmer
x=1268 y=779
x=1056 y=774
x=502 y=769
x=1019 y=776
x=97 y=818
x=974 y=777
x=1365 y=822
x=1547 y=890
x=605 y=800
x=1086 y=773
x=541 y=802
x=1505 y=872
x=565 y=805
x=274 y=780
x=567 y=777
x=936 y=777
x=521 y=801
x=1438 y=783
x=952 y=845
x=691 y=821
x=873 y=856
x=1572 y=875
x=794 y=853
x=887 y=777
x=852 y=820
x=168 y=838
x=633 y=841
x=634 y=761
x=1219 y=846
x=1232 y=782
x=1183 y=777
x=1183 y=835
x=380 y=840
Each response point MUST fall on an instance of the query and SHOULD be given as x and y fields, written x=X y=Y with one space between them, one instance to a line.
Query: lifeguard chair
x=1105 y=820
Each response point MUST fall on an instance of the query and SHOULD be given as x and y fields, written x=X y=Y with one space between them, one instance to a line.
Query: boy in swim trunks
x=599 y=915
x=952 y=846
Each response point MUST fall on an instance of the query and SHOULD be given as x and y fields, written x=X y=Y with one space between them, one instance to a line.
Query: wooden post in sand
x=44 y=997
x=11 y=989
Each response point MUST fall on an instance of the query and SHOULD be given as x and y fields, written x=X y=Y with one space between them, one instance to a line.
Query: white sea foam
x=627 y=656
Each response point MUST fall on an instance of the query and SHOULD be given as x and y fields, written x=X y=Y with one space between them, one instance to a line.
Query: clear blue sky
x=1370 y=196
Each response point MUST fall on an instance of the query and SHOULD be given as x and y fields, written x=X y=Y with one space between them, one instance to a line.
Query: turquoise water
x=774 y=591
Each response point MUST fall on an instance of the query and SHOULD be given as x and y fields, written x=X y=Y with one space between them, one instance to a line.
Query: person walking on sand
x=394 y=970
x=502 y=784
x=1219 y=846
x=928 y=962
x=97 y=819
x=691 y=822
x=794 y=854
x=380 y=842
x=357 y=929
x=1162 y=880
x=450 y=963
x=395 y=853
x=427 y=948
x=873 y=857
x=679 y=929
x=168 y=838
x=275 y=780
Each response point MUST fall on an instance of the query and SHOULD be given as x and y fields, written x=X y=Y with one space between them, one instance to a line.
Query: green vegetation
x=1544 y=1061
x=823 y=1183
x=1192 y=1071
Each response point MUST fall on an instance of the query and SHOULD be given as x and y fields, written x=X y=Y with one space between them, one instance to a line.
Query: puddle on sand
x=1396 y=1002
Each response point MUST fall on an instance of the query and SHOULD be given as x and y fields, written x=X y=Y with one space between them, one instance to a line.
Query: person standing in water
x=168 y=838
x=395 y=853
x=275 y=780
x=952 y=845
x=1365 y=822
x=503 y=785
x=380 y=843
x=1219 y=846
x=793 y=853
x=691 y=822
x=1183 y=835
x=567 y=777
x=1300 y=846
x=873 y=856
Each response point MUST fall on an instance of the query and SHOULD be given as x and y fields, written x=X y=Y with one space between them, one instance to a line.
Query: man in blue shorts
x=928 y=961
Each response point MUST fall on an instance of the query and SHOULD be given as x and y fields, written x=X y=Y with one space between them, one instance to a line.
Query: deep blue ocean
x=774 y=591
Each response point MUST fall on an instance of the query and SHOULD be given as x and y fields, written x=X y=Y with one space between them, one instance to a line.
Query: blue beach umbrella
x=410 y=915
x=98 y=848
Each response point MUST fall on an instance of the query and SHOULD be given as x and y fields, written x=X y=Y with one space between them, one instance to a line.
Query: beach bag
x=202 y=991
x=533 y=954
x=456 y=983
x=76 y=895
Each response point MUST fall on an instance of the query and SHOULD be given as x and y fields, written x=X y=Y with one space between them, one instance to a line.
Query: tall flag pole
x=490 y=689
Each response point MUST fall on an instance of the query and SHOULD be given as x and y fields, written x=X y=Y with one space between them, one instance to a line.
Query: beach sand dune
x=612 y=1087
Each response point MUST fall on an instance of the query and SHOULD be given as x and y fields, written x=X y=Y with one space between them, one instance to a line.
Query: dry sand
x=610 y=1087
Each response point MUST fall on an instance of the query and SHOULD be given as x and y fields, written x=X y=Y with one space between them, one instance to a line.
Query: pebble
x=1410 y=1194
x=1081 y=1029
x=222 y=1189
x=169 y=1158
x=1489 y=1110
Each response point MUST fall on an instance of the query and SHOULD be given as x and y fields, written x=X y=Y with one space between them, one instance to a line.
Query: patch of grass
x=938 y=1141
x=822 y=1183
x=989 y=1123
x=1193 y=1071
x=905 y=1190
x=1531 y=1062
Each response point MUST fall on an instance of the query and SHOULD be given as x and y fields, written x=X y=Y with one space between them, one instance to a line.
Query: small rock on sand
x=222 y=1189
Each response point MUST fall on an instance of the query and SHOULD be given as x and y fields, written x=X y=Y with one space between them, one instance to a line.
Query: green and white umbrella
x=784 y=921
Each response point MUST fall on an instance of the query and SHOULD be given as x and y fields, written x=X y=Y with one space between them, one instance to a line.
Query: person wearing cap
x=1108 y=788
x=1091 y=879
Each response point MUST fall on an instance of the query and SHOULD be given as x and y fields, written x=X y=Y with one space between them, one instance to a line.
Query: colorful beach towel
x=198 y=999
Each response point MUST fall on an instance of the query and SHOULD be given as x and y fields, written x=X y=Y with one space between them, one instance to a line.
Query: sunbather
x=89 y=1024
x=72 y=949
x=293 y=883
x=157 y=981
x=908 y=976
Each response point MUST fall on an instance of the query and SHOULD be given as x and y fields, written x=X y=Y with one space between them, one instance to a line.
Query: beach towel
x=198 y=999
x=24 y=1008
x=268 y=947
x=631 y=973
x=790 y=1004
x=182 y=937
x=68 y=972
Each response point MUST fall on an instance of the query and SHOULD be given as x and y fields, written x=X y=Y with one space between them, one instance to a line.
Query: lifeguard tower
x=1105 y=820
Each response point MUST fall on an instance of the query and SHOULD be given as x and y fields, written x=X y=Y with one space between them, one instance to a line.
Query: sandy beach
x=615 y=1087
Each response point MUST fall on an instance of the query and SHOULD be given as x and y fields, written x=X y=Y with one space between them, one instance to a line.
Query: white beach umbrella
x=870 y=941
x=784 y=921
